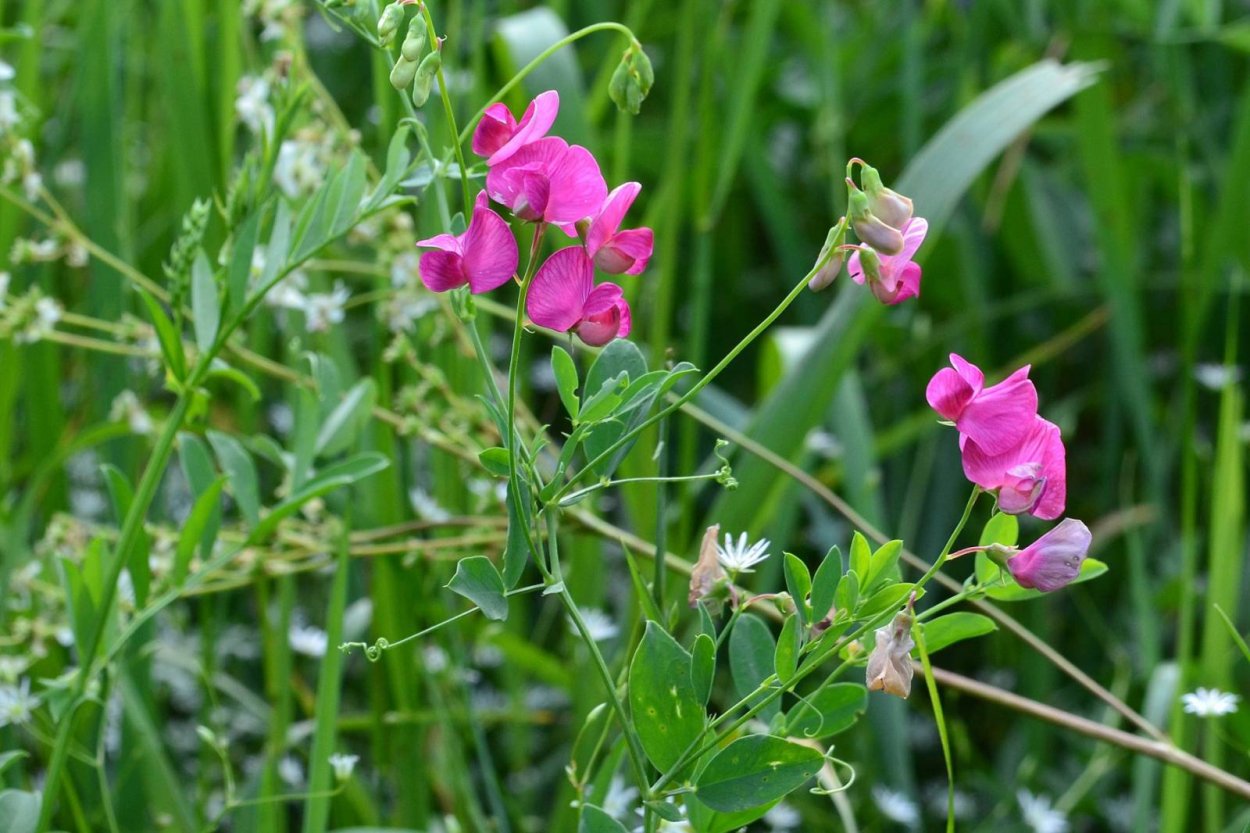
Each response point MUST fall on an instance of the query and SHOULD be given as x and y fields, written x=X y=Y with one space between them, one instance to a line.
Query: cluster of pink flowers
x=543 y=179
x=1010 y=450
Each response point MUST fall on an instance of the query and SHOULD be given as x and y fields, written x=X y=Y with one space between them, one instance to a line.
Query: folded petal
x=1054 y=560
x=577 y=187
x=441 y=271
x=494 y=130
x=446 y=242
x=908 y=285
x=913 y=235
x=1000 y=416
x=505 y=181
x=627 y=252
x=1031 y=476
x=538 y=118
x=949 y=392
x=490 y=250
x=558 y=294
x=610 y=215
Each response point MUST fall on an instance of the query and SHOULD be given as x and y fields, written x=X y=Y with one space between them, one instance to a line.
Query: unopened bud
x=402 y=73
x=707 y=570
x=829 y=263
x=632 y=80
x=414 y=41
x=388 y=23
x=890 y=206
x=869 y=228
x=871 y=264
x=889 y=664
x=426 y=73
x=1054 y=560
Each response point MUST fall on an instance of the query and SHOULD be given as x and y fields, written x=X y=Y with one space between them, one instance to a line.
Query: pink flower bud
x=830 y=259
x=890 y=206
x=1054 y=560
x=869 y=228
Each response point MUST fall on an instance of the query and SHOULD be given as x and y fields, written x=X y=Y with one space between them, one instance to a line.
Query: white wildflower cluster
x=15 y=148
x=252 y=105
x=47 y=250
x=410 y=300
x=598 y=623
x=343 y=765
x=26 y=318
x=1040 y=815
x=321 y=310
x=304 y=160
x=17 y=704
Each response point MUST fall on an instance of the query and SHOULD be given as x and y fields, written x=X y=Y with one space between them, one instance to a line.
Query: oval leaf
x=955 y=627
x=756 y=770
x=833 y=709
x=751 y=657
x=595 y=820
x=478 y=581
x=703 y=666
x=667 y=714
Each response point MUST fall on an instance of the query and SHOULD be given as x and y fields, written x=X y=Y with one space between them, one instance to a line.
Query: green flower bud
x=890 y=206
x=426 y=73
x=829 y=263
x=402 y=73
x=388 y=23
x=414 y=41
x=869 y=228
x=632 y=80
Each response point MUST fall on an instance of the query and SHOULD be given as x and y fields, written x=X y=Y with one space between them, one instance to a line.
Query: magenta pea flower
x=549 y=181
x=1031 y=476
x=995 y=418
x=896 y=277
x=484 y=257
x=498 y=135
x=563 y=297
x=619 y=252
x=1054 y=560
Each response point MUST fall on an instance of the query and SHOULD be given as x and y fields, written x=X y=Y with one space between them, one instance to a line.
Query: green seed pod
x=403 y=73
x=426 y=73
x=388 y=23
x=414 y=41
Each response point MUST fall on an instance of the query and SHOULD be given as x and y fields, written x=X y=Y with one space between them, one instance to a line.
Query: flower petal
x=538 y=118
x=490 y=250
x=494 y=129
x=504 y=182
x=1000 y=416
x=441 y=271
x=1042 y=446
x=446 y=242
x=577 y=187
x=1054 y=560
x=855 y=269
x=558 y=294
x=627 y=252
x=610 y=215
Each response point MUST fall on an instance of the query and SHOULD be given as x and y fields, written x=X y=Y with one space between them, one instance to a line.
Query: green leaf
x=664 y=707
x=756 y=770
x=240 y=270
x=887 y=598
x=340 y=428
x=277 y=248
x=825 y=583
x=349 y=203
x=237 y=464
x=327 y=480
x=846 y=597
x=1001 y=529
x=520 y=520
x=603 y=403
x=595 y=820
x=703 y=666
x=19 y=811
x=397 y=159
x=833 y=709
x=566 y=379
x=751 y=660
x=8 y=759
x=799 y=583
x=198 y=522
x=197 y=467
x=495 y=460
x=619 y=356
x=478 y=581
x=221 y=370
x=861 y=556
x=955 y=627
x=205 y=305
x=883 y=562
x=786 y=658
x=167 y=336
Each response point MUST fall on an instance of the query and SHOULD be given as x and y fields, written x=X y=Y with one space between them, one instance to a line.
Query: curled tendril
x=373 y=652
x=725 y=474
x=806 y=703
x=833 y=762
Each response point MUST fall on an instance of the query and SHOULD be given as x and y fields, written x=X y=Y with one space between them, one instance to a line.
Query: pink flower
x=498 y=135
x=1053 y=560
x=619 y=252
x=484 y=257
x=995 y=418
x=563 y=297
x=1031 y=476
x=898 y=276
x=549 y=181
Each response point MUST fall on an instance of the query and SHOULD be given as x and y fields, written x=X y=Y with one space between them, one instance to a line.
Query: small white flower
x=322 y=309
x=404 y=270
x=5 y=278
x=1210 y=702
x=7 y=73
x=47 y=313
x=426 y=506
x=782 y=817
x=896 y=806
x=598 y=622
x=308 y=640
x=620 y=798
x=742 y=556
x=17 y=704
x=70 y=173
x=343 y=765
x=11 y=667
x=252 y=104
x=1040 y=815
x=1217 y=376
x=9 y=116
x=32 y=182
x=435 y=659
x=281 y=417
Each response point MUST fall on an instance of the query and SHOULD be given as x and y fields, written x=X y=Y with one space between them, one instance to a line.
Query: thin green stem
x=950 y=542
x=606 y=484
x=448 y=110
